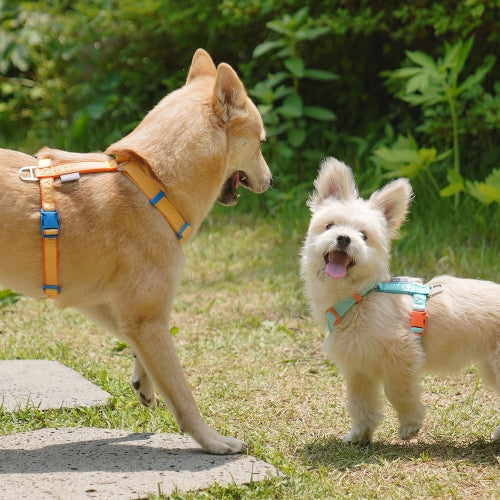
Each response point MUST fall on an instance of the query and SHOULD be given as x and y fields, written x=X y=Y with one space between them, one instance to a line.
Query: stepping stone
x=45 y=384
x=83 y=463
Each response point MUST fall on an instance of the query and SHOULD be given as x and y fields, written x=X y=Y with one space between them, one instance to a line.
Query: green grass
x=253 y=359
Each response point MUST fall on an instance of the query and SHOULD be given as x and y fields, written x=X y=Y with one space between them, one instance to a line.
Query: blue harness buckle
x=49 y=223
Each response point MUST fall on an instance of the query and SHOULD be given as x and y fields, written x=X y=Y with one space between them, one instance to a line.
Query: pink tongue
x=236 y=180
x=337 y=266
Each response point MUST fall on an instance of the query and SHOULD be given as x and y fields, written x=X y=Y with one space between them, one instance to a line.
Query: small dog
x=345 y=254
x=120 y=262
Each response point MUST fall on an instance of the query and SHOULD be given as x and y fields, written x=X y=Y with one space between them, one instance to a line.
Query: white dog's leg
x=403 y=391
x=363 y=404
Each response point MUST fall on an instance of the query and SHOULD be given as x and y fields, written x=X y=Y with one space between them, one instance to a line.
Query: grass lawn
x=253 y=359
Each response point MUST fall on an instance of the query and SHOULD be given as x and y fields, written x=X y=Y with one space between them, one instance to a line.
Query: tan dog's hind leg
x=155 y=350
x=141 y=382
x=143 y=386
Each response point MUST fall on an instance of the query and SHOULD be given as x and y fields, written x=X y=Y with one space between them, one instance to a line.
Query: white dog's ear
x=393 y=200
x=335 y=180
x=201 y=65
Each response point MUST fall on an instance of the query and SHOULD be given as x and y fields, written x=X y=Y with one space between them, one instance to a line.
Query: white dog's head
x=349 y=238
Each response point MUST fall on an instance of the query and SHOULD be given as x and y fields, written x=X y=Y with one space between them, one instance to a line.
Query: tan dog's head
x=245 y=164
x=202 y=141
x=349 y=238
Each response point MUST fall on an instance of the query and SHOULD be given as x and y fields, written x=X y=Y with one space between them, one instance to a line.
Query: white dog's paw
x=409 y=431
x=358 y=437
x=496 y=434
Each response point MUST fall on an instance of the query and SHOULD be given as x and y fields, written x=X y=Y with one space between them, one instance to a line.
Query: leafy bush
x=436 y=88
x=78 y=75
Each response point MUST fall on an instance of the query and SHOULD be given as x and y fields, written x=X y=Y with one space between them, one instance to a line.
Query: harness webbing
x=410 y=286
x=46 y=172
x=157 y=198
x=50 y=226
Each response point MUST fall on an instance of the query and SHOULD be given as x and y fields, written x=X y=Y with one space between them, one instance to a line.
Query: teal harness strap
x=418 y=291
x=419 y=294
x=334 y=314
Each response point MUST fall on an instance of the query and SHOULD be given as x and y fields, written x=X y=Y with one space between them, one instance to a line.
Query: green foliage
x=286 y=115
x=431 y=83
x=79 y=75
x=8 y=297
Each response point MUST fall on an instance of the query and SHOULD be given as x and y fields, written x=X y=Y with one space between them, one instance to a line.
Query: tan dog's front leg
x=143 y=386
x=155 y=351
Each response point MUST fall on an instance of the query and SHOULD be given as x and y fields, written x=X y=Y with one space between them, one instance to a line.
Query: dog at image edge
x=347 y=250
x=120 y=262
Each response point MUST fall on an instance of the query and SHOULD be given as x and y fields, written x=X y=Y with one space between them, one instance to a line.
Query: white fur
x=372 y=345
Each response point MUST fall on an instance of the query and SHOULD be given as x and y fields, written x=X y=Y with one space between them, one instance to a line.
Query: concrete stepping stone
x=92 y=463
x=45 y=384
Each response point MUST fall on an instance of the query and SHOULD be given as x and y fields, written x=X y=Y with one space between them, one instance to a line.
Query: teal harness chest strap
x=334 y=314
x=418 y=291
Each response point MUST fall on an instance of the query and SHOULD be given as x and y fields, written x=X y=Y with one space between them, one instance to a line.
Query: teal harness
x=409 y=286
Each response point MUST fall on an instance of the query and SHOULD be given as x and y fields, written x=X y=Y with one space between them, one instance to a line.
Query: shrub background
x=78 y=75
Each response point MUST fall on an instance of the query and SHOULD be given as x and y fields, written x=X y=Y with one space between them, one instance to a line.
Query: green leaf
x=455 y=186
x=319 y=74
x=296 y=66
x=477 y=77
x=312 y=33
x=319 y=113
x=422 y=59
x=292 y=107
x=296 y=137
x=485 y=193
x=266 y=47
x=8 y=297
x=488 y=191
x=417 y=83
x=174 y=331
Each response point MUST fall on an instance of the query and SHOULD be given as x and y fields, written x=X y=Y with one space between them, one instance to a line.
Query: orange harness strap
x=50 y=227
x=45 y=172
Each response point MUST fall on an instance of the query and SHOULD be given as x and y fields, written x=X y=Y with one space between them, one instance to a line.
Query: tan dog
x=120 y=262
x=345 y=254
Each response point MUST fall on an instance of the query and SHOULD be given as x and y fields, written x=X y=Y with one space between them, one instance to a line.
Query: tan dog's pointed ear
x=229 y=92
x=335 y=180
x=201 y=65
x=393 y=200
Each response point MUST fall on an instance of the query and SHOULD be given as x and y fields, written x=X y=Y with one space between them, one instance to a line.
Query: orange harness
x=45 y=172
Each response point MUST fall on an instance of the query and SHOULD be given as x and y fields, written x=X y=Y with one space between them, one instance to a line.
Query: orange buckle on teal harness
x=419 y=293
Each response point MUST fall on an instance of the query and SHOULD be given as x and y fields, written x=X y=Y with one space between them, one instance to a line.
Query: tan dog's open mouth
x=337 y=263
x=228 y=195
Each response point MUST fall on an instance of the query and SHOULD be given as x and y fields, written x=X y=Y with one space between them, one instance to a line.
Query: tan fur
x=119 y=261
x=372 y=344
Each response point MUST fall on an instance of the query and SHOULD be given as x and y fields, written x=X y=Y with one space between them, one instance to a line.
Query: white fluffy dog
x=345 y=267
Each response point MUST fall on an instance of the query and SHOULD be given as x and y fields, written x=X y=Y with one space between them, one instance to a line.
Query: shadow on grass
x=332 y=452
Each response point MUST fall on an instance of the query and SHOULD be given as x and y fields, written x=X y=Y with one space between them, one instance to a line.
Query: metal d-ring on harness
x=405 y=285
x=45 y=173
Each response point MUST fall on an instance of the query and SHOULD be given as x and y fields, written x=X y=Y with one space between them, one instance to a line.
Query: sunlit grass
x=253 y=358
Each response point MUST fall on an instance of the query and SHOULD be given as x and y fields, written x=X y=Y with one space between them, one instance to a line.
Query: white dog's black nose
x=343 y=240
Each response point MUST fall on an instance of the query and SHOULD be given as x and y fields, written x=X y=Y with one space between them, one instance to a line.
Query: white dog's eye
x=329 y=225
x=365 y=236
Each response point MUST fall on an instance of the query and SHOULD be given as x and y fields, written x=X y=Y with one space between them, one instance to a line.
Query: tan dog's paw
x=213 y=442
x=144 y=391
